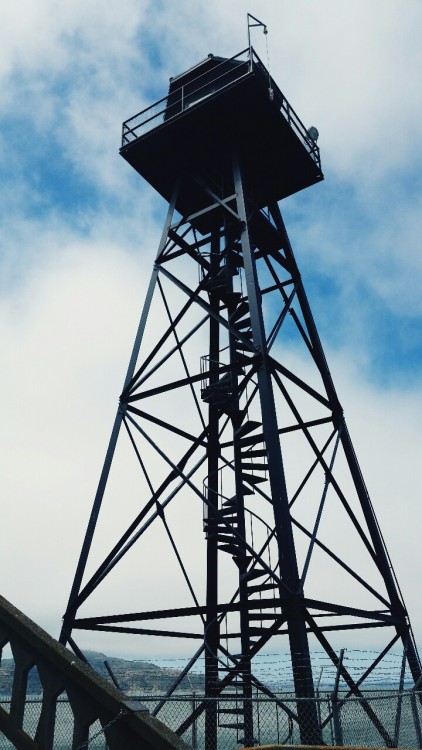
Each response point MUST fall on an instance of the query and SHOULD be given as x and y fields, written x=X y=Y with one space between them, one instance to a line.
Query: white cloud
x=68 y=331
x=73 y=286
x=41 y=38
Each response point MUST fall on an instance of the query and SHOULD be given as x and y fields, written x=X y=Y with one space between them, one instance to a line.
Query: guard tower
x=258 y=493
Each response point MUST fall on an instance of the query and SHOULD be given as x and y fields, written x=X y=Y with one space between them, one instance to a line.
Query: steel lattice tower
x=228 y=387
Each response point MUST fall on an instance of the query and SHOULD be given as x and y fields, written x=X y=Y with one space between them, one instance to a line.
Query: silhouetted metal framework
x=252 y=430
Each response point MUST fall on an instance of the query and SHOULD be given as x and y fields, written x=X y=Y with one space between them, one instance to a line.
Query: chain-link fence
x=378 y=719
x=63 y=729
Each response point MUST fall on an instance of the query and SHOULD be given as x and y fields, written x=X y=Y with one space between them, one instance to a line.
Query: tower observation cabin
x=216 y=108
x=237 y=439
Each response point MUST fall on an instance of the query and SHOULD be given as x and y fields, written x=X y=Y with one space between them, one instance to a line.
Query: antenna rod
x=249 y=16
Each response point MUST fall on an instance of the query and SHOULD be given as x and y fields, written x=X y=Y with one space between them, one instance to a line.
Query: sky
x=80 y=230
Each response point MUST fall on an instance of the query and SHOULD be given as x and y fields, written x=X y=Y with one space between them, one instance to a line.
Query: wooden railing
x=126 y=724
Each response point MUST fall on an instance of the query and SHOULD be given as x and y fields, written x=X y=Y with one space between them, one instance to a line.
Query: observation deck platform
x=219 y=108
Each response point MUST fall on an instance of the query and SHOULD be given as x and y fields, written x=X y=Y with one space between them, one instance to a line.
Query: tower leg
x=212 y=625
x=384 y=563
x=291 y=591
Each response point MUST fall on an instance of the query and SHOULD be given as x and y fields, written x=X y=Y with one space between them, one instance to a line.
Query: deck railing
x=210 y=83
x=94 y=707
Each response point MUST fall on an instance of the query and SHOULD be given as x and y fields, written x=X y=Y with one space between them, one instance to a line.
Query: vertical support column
x=23 y=663
x=291 y=594
x=194 y=725
x=52 y=686
x=212 y=627
x=338 y=730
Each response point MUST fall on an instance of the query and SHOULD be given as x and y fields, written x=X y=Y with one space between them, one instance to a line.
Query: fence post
x=416 y=719
x=330 y=716
x=194 y=725
x=338 y=731
x=318 y=697
x=400 y=697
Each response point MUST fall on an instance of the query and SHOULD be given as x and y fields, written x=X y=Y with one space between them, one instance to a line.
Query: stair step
x=221 y=534
x=241 y=310
x=232 y=501
x=225 y=378
x=226 y=539
x=227 y=511
x=240 y=346
x=236 y=264
x=232 y=726
x=262 y=587
x=211 y=285
x=247 y=427
x=215 y=397
x=215 y=390
x=245 y=344
x=230 y=710
x=242 y=561
x=242 y=359
x=227 y=298
x=257 y=631
x=251 y=479
x=254 y=466
x=250 y=575
x=229 y=408
x=219 y=525
x=254 y=453
x=214 y=281
x=252 y=440
x=230 y=548
x=220 y=385
x=234 y=298
x=244 y=323
x=245 y=334
x=226 y=531
x=262 y=617
x=223 y=530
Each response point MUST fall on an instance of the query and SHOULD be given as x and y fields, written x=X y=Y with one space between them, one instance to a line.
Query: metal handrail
x=144 y=121
x=179 y=95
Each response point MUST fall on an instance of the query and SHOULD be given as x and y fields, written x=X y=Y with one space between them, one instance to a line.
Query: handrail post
x=400 y=697
x=194 y=725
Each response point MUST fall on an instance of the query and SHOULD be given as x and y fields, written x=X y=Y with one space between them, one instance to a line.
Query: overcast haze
x=80 y=231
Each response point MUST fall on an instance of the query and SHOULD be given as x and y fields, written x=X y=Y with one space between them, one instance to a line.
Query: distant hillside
x=132 y=676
